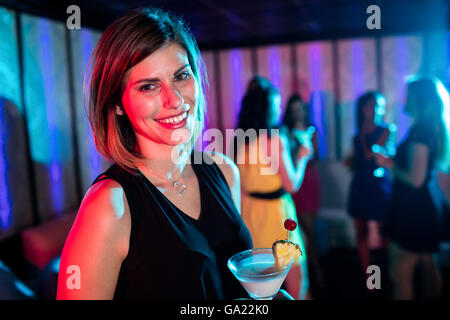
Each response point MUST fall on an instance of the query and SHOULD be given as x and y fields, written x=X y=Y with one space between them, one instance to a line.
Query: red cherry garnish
x=290 y=224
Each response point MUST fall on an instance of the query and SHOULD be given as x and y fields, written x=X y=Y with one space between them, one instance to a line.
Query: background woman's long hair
x=256 y=106
x=256 y=110
x=432 y=114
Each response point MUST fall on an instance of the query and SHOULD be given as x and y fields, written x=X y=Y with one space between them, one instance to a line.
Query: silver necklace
x=179 y=187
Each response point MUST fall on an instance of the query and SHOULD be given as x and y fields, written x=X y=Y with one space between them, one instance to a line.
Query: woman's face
x=160 y=96
x=369 y=111
x=298 y=111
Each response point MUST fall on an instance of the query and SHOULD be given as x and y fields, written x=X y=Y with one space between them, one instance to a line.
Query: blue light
x=402 y=119
x=35 y=100
x=9 y=98
x=54 y=265
x=95 y=165
x=444 y=95
x=23 y=288
x=379 y=172
x=9 y=61
x=55 y=156
x=317 y=106
x=377 y=148
x=393 y=127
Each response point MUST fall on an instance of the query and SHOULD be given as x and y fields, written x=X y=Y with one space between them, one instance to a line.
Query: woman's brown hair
x=125 y=43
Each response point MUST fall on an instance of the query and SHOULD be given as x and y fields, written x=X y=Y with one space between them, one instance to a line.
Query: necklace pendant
x=180 y=188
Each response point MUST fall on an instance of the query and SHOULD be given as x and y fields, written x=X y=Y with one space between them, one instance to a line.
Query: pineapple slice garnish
x=284 y=251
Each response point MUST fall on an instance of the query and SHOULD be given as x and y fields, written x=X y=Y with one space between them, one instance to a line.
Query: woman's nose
x=173 y=98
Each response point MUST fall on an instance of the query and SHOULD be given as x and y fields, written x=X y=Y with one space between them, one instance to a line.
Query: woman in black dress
x=369 y=192
x=163 y=220
x=413 y=218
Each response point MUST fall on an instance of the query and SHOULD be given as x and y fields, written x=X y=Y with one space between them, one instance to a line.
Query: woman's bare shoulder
x=97 y=243
x=105 y=210
x=107 y=195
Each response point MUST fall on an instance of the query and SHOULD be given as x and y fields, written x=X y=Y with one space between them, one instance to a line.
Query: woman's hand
x=305 y=151
x=384 y=161
x=306 y=147
x=283 y=295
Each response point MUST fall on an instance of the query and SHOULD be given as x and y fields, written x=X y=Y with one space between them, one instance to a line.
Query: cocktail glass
x=255 y=269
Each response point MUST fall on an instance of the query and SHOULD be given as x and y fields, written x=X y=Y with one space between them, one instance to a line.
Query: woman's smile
x=176 y=121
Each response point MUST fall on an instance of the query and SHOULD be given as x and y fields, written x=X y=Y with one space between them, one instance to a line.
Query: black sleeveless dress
x=414 y=215
x=173 y=256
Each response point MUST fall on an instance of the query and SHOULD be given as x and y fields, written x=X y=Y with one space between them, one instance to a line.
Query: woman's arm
x=382 y=140
x=291 y=170
x=416 y=168
x=368 y=153
x=97 y=244
x=315 y=145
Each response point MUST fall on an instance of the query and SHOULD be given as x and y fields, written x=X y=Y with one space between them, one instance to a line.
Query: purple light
x=238 y=86
x=315 y=57
x=56 y=180
x=5 y=201
x=357 y=68
x=274 y=67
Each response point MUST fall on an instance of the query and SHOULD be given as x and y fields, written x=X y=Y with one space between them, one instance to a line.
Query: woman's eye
x=183 y=76
x=148 y=87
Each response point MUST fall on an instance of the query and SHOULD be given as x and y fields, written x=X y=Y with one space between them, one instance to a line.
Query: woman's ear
x=119 y=110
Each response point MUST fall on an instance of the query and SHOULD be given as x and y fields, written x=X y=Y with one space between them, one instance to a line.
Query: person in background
x=370 y=188
x=413 y=221
x=266 y=202
x=296 y=123
x=157 y=224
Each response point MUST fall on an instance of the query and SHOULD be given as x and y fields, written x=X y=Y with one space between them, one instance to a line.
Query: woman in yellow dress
x=269 y=175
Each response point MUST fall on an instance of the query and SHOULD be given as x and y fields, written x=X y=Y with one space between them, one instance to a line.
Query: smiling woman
x=147 y=89
x=121 y=72
x=155 y=225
